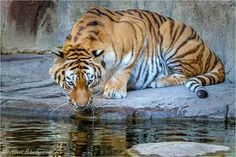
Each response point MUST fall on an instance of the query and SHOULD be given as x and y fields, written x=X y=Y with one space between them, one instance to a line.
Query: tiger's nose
x=79 y=106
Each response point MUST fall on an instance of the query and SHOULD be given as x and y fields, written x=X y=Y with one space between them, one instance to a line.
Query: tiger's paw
x=114 y=92
x=156 y=85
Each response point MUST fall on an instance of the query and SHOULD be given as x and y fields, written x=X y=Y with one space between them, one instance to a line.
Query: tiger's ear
x=58 y=54
x=58 y=57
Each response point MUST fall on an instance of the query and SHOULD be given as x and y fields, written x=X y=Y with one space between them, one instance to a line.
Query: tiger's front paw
x=113 y=92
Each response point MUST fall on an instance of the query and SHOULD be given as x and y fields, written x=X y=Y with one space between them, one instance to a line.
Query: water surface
x=79 y=137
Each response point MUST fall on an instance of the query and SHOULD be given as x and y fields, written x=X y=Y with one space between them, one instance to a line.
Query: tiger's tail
x=196 y=84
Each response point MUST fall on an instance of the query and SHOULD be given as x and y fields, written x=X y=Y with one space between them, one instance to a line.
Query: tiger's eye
x=71 y=83
x=90 y=82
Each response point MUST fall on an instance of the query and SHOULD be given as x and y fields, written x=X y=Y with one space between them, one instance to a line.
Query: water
x=70 y=137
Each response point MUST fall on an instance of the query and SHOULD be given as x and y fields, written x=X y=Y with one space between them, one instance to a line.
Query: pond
x=81 y=137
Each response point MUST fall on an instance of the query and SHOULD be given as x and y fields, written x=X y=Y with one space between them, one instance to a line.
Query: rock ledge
x=28 y=90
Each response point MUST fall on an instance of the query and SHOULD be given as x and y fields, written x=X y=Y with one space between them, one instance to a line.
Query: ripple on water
x=93 y=138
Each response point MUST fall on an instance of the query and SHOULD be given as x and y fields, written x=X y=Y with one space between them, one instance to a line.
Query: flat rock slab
x=176 y=149
x=28 y=90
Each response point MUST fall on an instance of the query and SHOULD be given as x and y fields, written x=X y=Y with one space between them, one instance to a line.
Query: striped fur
x=143 y=49
x=77 y=76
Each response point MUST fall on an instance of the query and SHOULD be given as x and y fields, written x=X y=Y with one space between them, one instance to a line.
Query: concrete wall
x=41 y=26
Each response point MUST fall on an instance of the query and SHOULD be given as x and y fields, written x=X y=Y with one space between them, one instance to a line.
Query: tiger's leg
x=116 y=86
x=131 y=33
x=171 y=80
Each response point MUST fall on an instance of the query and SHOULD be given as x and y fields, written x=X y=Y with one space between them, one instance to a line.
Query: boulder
x=176 y=149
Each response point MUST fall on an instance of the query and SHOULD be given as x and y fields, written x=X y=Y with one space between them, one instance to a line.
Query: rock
x=28 y=90
x=176 y=149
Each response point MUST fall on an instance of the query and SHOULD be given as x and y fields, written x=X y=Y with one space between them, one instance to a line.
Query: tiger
x=139 y=49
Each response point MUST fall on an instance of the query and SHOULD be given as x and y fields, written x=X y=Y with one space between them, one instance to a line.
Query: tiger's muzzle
x=80 y=97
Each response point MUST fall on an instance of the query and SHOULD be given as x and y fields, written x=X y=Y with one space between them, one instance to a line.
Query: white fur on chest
x=109 y=58
x=113 y=63
x=126 y=60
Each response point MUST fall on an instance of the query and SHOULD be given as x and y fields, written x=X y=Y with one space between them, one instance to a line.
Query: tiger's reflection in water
x=81 y=137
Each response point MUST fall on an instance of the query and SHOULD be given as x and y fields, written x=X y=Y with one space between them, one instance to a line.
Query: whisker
x=72 y=106
x=71 y=110
x=56 y=109
x=94 y=107
x=98 y=93
x=90 y=107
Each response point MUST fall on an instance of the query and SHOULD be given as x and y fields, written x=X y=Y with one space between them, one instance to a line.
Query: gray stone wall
x=38 y=27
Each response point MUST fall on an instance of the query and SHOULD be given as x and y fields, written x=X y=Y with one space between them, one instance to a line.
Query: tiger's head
x=78 y=77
